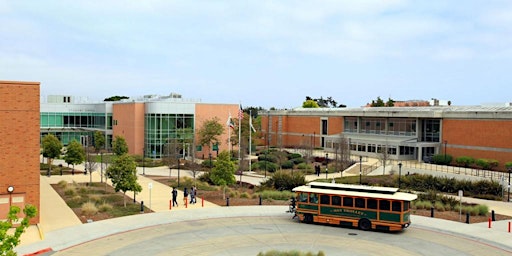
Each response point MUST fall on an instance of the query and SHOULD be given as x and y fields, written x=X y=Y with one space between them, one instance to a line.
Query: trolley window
x=303 y=197
x=396 y=206
x=336 y=200
x=313 y=198
x=325 y=199
x=384 y=205
x=360 y=202
x=372 y=203
x=348 y=201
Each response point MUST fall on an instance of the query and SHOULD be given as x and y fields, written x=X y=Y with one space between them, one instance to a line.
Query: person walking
x=185 y=196
x=174 y=197
x=192 y=200
x=195 y=194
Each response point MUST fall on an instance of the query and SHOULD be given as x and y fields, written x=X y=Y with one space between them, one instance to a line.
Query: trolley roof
x=356 y=190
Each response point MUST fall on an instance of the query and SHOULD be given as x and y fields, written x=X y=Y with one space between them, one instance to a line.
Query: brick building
x=407 y=133
x=19 y=145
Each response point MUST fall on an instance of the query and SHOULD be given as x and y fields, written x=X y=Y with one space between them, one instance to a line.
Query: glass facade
x=68 y=126
x=163 y=131
x=76 y=120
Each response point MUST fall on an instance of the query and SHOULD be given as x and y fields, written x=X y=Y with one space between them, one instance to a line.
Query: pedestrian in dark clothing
x=185 y=196
x=174 y=197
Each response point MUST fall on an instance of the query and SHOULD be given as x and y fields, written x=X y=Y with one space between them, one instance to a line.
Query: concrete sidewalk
x=74 y=235
x=55 y=214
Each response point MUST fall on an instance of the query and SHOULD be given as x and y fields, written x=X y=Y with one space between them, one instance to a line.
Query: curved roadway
x=249 y=235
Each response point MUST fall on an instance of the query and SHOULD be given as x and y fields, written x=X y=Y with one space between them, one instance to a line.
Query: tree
x=99 y=141
x=210 y=131
x=119 y=146
x=123 y=174
x=90 y=163
x=310 y=104
x=329 y=102
x=75 y=154
x=116 y=98
x=51 y=149
x=223 y=172
x=9 y=241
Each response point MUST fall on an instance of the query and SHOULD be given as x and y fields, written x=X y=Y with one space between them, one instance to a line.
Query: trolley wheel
x=308 y=218
x=365 y=224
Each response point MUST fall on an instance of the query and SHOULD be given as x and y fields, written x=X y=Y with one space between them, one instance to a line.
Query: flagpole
x=250 y=138
x=240 y=116
x=229 y=134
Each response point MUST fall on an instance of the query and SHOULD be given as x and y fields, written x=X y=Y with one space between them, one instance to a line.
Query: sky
x=262 y=53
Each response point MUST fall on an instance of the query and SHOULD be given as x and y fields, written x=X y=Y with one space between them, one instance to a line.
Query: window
x=325 y=199
x=406 y=205
x=372 y=203
x=324 y=127
x=348 y=201
x=303 y=197
x=313 y=198
x=336 y=200
x=360 y=203
x=384 y=205
x=396 y=206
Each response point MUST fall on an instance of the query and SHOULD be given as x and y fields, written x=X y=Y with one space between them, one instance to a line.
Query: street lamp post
x=509 y=171
x=326 y=164
x=445 y=143
x=178 y=158
x=399 y=174
x=101 y=167
x=143 y=162
x=210 y=157
x=360 y=169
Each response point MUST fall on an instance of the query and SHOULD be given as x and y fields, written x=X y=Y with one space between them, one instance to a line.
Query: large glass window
x=371 y=203
x=431 y=130
x=350 y=124
x=168 y=134
x=373 y=125
x=402 y=127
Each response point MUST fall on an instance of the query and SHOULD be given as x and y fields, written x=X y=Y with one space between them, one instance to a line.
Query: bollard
x=227 y=201
x=490 y=221
x=202 y=201
x=260 y=199
x=170 y=204
x=141 y=206
x=493 y=216
x=509 y=226
x=432 y=212
x=467 y=218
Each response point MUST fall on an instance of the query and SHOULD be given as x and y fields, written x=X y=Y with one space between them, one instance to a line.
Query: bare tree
x=90 y=159
x=342 y=152
x=383 y=156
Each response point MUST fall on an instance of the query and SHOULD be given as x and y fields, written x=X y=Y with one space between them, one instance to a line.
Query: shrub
x=94 y=197
x=287 y=165
x=104 y=207
x=207 y=163
x=276 y=195
x=271 y=167
x=268 y=158
x=483 y=163
x=245 y=195
x=442 y=159
x=298 y=160
x=482 y=209
x=70 y=191
x=285 y=181
x=89 y=208
x=62 y=184
x=465 y=161
x=304 y=166
x=439 y=206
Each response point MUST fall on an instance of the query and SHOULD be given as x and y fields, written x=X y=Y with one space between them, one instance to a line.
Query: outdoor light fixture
x=10 y=189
